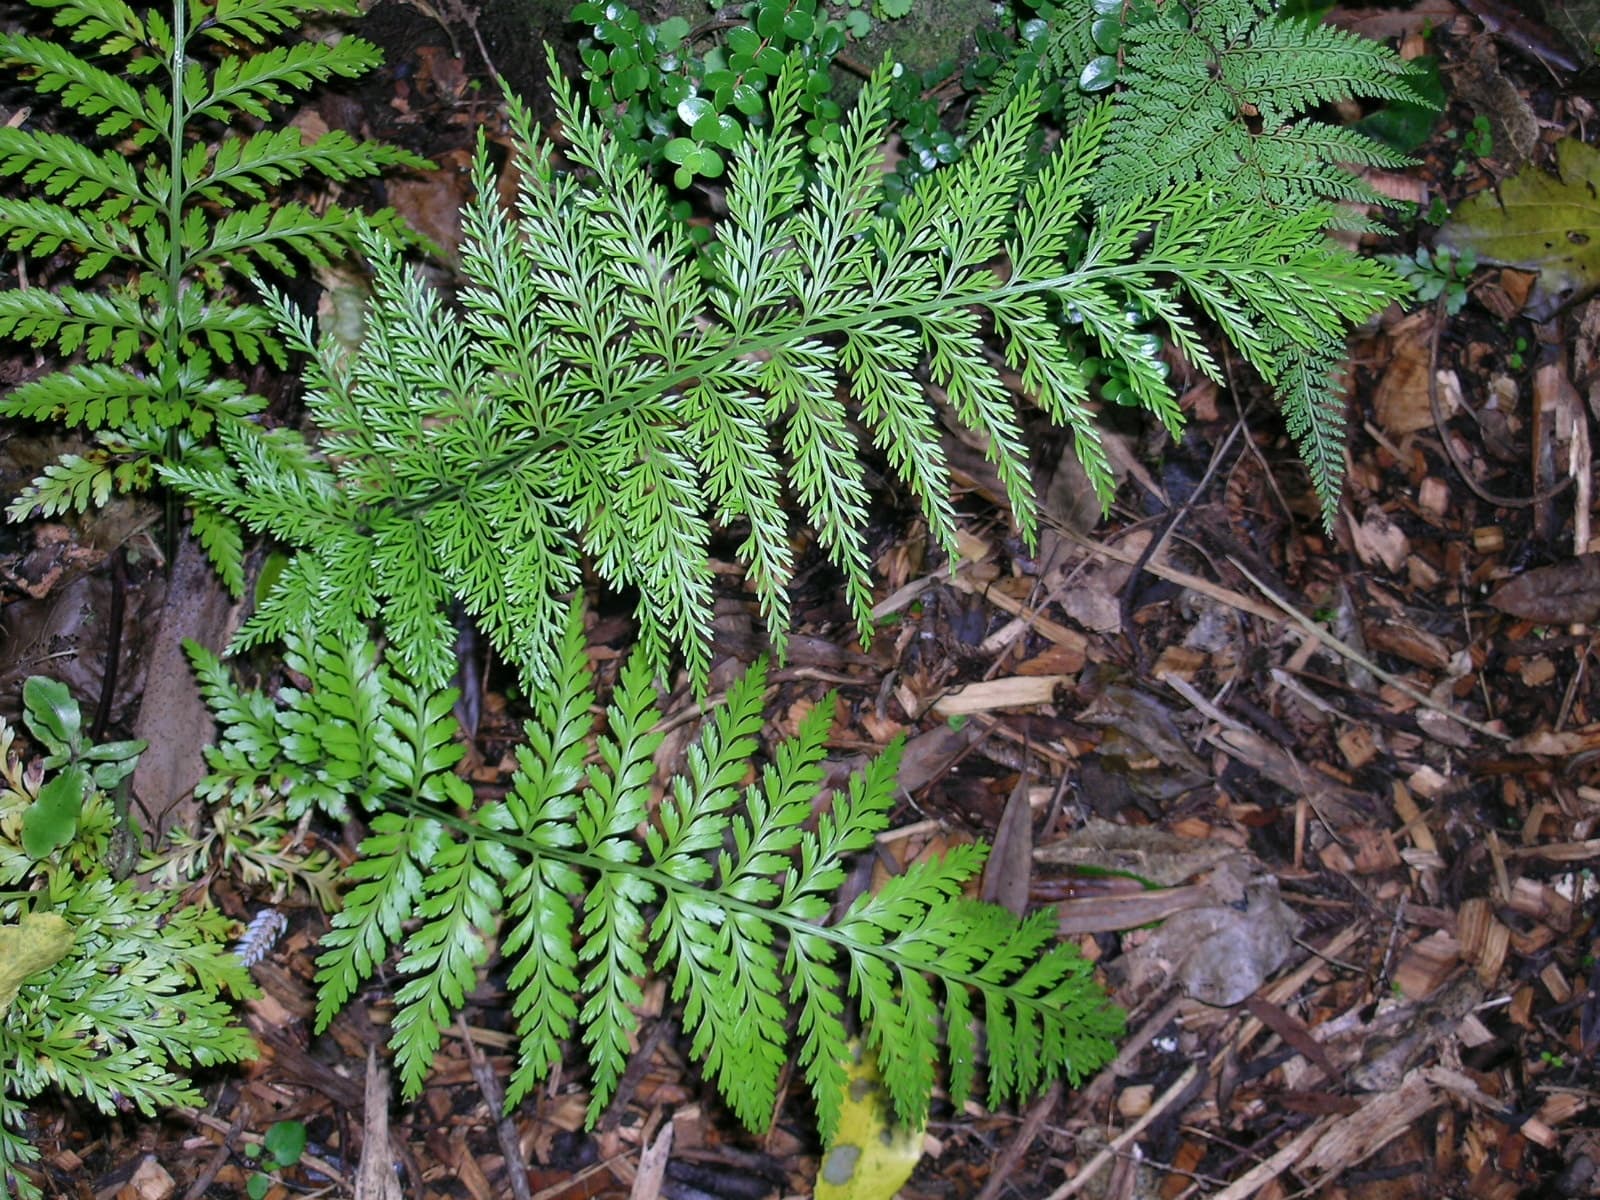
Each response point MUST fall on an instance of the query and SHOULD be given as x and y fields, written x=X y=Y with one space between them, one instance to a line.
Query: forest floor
x=1323 y=809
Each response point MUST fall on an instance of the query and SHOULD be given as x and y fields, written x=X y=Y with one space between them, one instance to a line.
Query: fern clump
x=1218 y=93
x=107 y=993
x=606 y=390
x=166 y=208
x=727 y=894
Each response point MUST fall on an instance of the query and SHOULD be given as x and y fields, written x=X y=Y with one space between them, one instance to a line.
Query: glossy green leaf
x=52 y=716
x=1098 y=74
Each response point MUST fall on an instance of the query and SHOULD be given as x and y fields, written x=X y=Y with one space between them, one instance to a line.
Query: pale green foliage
x=172 y=201
x=727 y=895
x=136 y=1005
x=1217 y=93
x=602 y=392
x=1220 y=92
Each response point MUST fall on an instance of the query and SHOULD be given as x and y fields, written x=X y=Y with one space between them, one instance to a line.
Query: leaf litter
x=1338 y=862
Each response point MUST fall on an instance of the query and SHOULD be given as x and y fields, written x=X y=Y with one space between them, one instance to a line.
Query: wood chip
x=1015 y=691
x=1484 y=940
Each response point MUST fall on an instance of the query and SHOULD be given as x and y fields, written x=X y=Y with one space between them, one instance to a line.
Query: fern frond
x=1191 y=77
x=161 y=209
x=250 y=166
x=104 y=325
x=601 y=392
x=252 y=84
x=39 y=228
x=111 y=23
x=727 y=895
x=93 y=395
x=258 y=21
x=461 y=897
x=74 y=483
x=388 y=885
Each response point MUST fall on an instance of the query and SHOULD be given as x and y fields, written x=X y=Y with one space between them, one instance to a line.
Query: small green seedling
x=1436 y=273
x=52 y=716
x=280 y=1147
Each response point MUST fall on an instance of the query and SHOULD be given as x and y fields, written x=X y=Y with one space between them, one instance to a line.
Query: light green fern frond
x=603 y=394
x=727 y=895
x=1215 y=92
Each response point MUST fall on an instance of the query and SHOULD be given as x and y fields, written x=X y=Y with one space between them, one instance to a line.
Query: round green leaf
x=1098 y=74
x=671 y=32
x=744 y=40
x=799 y=25
x=747 y=100
x=629 y=83
x=707 y=127
x=1107 y=34
x=691 y=109
x=770 y=60
x=729 y=133
x=286 y=1142
x=679 y=150
x=769 y=19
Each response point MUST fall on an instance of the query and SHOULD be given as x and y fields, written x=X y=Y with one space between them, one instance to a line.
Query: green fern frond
x=74 y=483
x=251 y=85
x=259 y=21
x=64 y=168
x=113 y=24
x=131 y=1002
x=39 y=228
x=601 y=393
x=1192 y=78
x=109 y=326
x=111 y=101
x=727 y=895
x=162 y=209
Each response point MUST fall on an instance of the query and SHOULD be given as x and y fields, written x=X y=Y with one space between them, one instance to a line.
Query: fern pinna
x=727 y=894
x=604 y=390
x=168 y=201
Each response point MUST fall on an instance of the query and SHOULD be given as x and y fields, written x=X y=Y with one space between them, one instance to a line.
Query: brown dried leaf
x=1008 y=874
x=1567 y=593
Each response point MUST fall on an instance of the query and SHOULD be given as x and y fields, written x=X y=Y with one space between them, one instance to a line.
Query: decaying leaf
x=1567 y=593
x=1540 y=222
x=37 y=942
x=870 y=1158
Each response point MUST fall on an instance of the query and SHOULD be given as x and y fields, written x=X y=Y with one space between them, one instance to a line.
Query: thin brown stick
x=1095 y=1165
x=505 y=1130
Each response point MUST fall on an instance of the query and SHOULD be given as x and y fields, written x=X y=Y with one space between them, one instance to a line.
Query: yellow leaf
x=39 y=941
x=1539 y=222
x=870 y=1158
